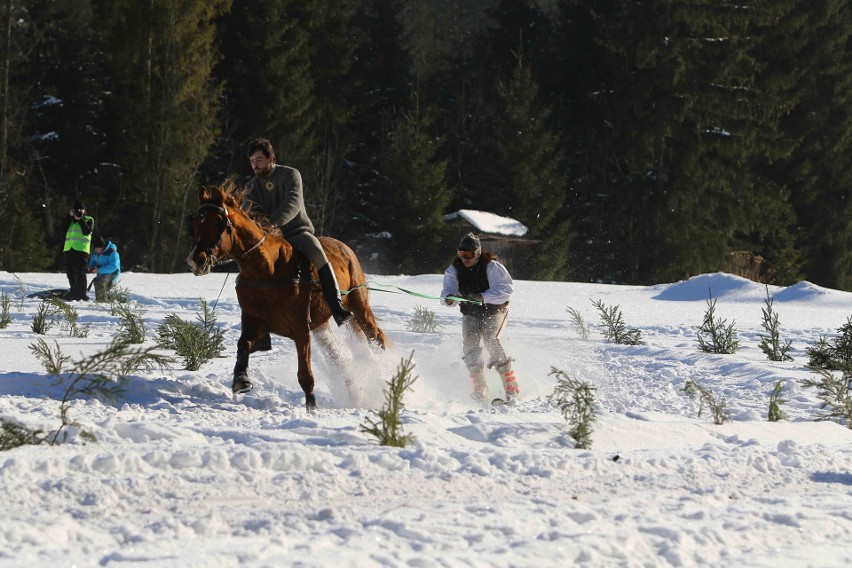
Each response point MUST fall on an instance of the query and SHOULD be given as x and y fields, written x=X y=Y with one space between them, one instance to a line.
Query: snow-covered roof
x=489 y=222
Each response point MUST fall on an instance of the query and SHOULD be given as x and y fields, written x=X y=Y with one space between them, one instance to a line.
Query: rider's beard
x=263 y=172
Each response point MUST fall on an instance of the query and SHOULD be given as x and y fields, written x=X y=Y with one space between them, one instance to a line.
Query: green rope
x=398 y=290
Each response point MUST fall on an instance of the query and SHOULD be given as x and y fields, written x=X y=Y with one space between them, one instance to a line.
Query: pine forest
x=640 y=142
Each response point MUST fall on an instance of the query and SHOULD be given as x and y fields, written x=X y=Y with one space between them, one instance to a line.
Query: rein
x=260 y=242
x=398 y=290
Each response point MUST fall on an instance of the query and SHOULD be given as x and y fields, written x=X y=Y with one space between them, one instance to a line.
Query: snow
x=489 y=222
x=182 y=474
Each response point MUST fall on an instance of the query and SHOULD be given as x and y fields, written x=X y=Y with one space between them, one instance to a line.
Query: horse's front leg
x=241 y=383
x=305 y=374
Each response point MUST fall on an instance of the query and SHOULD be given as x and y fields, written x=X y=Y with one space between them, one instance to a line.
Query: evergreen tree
x=383 y=85
x=820 y=122
x=66 y=126
x=288 y=74
x=160 y=54
x=446 y=37
x=582 y=71
x=520 y=26
x=266 y=68
x=532 y=184
x=689 y=133
x=416 y=193
x=780 y=38
x=23 y=246
x=333 y=51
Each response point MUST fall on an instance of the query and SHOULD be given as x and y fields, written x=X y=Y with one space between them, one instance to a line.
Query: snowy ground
x=184 y=475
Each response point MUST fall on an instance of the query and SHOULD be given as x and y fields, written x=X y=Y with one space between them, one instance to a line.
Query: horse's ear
x=221 y=195
x=203 y=195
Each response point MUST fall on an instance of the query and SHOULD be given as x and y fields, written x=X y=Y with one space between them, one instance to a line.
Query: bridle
x=225 y=227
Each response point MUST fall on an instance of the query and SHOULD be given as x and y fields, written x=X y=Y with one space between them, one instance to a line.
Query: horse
x=276 y=285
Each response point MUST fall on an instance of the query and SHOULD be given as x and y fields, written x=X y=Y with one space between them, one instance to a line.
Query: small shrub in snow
x=100 y=376
x=68 y=318
x=834 y=355
x=15 y=435
x=51 y=311
x=198 y=342
x=423 y=321
x=43 y=318
x=578 y=323
x=22 y=292
x=775 y=402
x=771 y=343
x=614 y=327
x=131 y=326
x=52 y=359
x=819 y=355
x=576 y=400
x=388 y=431
x=117 y=295
x=5 y=314
x=713 y=335
x=719 y=407
x=835 y=392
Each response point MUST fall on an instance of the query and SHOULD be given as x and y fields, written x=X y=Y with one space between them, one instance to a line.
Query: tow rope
x=398 y=290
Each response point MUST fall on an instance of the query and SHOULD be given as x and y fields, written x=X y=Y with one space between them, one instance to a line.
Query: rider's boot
x=332 y=295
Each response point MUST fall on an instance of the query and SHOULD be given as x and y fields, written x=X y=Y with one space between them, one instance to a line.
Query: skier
x=476 y=274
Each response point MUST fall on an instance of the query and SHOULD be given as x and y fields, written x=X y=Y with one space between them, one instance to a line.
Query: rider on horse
x=276 y=192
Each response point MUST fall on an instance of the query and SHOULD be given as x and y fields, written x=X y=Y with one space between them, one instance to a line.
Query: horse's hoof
x=310 y=402
x=241 y=385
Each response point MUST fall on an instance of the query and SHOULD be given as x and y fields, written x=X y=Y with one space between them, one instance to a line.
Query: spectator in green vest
x=78 y=242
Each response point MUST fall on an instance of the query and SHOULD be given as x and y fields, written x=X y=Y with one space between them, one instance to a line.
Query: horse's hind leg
x=365 y=319
x=305 y=374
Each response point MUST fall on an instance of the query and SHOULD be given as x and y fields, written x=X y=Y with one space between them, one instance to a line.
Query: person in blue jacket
x=106 y=262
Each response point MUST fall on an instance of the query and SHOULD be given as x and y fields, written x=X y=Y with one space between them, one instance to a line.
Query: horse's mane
x=235 y=197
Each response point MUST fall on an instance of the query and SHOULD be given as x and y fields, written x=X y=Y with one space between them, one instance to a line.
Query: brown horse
x=271 y=294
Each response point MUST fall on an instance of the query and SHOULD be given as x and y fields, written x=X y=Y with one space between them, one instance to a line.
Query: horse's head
x=211 y=230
